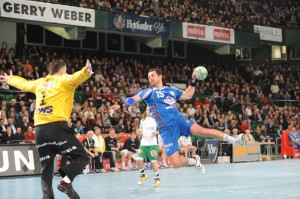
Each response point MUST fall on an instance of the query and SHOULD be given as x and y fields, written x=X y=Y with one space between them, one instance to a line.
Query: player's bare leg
x=199 y=130
x=178 y=161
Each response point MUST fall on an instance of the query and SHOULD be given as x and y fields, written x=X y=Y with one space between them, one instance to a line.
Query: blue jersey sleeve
x=178 y=93
x=145 y=94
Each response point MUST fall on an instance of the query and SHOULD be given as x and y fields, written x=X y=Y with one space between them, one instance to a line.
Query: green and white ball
x=200 y=73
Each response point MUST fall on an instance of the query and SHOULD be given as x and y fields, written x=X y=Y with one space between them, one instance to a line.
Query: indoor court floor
x=270 y=179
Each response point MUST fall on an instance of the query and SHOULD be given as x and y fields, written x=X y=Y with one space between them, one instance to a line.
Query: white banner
x=46 y=12
x=268 y=33
x=208 y=33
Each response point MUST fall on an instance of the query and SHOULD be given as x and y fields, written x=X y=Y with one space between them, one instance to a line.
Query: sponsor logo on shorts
x=69 y=149
x=44 y=158
x=167 y=146
x=153 y=153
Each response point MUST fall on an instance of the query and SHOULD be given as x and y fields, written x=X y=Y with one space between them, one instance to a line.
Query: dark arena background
x=250 y=48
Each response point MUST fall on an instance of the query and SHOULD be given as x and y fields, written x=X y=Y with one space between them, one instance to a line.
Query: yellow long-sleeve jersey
x=54 y=95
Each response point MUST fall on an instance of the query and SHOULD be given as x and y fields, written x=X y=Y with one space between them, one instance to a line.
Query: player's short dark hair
x=55 y=66
x=157 y=70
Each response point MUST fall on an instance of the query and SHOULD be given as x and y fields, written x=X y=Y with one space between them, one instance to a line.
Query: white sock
x=191 y=161
x=129 y=164
x=123 y=164
x=228 y=138
x=156 y=174
x=66 y=179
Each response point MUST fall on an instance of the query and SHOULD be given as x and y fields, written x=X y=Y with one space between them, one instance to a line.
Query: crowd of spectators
x=237 y=14
x=246 y=97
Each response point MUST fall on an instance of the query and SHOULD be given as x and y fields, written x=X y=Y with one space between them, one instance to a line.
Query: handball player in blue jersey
x=162 y=101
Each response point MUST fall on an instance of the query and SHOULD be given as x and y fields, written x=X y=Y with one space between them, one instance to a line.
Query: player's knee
x=176 y=165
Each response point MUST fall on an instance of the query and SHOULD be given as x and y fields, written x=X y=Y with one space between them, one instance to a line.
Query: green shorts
x=150 y=152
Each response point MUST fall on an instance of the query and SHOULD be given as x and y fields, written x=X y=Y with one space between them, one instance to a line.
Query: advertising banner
x=19 y=160
x=47 y=12
x=249 y=152
x=212 y=148
x=140 y=25
x=208 y=33
x=268 y=33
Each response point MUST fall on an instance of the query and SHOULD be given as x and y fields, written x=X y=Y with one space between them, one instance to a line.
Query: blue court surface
x=271 y=179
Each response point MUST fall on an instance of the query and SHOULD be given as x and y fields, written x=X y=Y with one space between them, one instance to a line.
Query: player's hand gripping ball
x=200 y=73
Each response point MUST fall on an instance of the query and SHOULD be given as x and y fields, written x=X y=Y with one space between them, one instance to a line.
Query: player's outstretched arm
x=88 y=67
x=190 y=90
x=19 y=82
x=4 y=78
x=77 y=78
x=127 y=102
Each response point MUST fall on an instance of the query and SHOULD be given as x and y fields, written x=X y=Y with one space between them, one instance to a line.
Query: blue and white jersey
x=162 y=103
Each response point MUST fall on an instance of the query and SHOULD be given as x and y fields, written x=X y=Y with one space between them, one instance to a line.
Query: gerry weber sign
x=136 y=24
x=46 y=12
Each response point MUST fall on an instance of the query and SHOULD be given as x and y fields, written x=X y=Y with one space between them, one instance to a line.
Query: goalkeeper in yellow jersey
x=54 y=100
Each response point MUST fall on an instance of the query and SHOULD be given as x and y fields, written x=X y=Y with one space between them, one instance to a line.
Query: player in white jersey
x=148 y=148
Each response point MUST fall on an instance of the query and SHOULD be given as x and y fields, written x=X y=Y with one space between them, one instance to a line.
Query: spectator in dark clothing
x=18 y=137
x=130 y=147
x=120 y=128
x=89 y=147
x=111 y=149
x=8 y=135
x=2 y=129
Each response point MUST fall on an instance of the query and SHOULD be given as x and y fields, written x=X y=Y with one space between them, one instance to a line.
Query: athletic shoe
x=239 y=141
x=198 y=165
x=125 y=169
x=165 y=165
x=102 y=171
x=156 y=182
x=67 y=189
x=97 y=170
x=143 y=178
x=131 y=168
x=114 y=169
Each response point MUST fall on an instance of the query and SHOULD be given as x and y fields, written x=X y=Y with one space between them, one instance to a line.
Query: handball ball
x=200 y=73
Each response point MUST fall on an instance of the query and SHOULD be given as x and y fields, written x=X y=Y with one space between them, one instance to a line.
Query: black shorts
x=57 y=138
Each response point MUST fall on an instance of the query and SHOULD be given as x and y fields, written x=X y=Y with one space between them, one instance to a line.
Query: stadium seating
x=286 y=148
